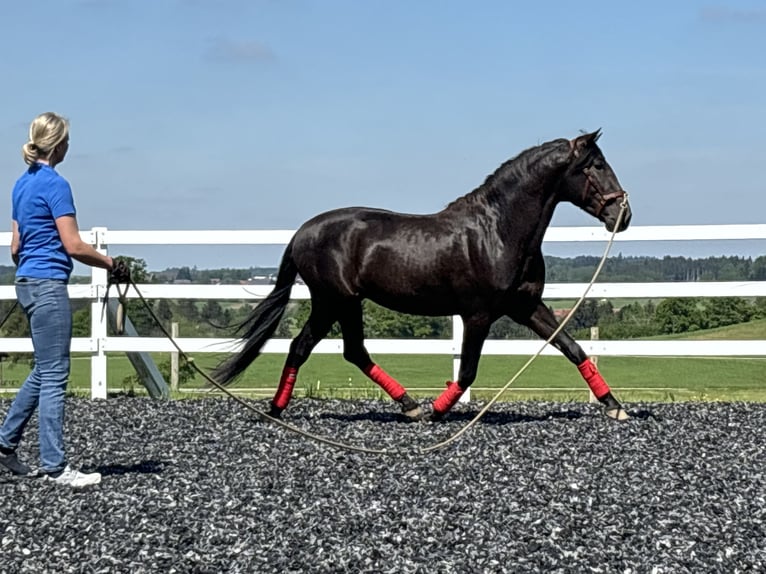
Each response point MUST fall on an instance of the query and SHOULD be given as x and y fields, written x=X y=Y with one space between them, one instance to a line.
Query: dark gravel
x=203 y=486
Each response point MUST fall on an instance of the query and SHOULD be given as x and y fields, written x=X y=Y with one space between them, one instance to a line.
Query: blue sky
x=257 y=114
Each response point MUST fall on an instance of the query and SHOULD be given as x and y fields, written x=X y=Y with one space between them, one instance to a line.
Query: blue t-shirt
x=40 y=196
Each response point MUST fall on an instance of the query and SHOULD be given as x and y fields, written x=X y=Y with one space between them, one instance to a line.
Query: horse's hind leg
x=315 y=329
x=355 y=352
x=543 y=323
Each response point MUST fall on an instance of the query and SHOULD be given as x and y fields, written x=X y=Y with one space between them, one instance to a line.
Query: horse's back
x=361 y=251
x=336 y=228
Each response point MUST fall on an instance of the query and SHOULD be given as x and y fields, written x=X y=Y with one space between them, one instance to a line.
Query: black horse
x=479 y=258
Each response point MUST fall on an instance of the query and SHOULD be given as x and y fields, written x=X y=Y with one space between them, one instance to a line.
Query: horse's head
x=590 y=183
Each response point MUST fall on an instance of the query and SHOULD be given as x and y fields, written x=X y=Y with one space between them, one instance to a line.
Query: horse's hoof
x=435 y=417
x=618 y=414
x=414 y=414
x=410 y=408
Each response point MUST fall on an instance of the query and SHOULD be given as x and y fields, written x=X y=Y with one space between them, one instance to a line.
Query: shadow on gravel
x=372 y=416
x=493 y=418
x=496 y=418
x=643 y=414
x=143 y=467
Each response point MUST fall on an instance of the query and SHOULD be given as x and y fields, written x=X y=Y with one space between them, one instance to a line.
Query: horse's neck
x=525 y=215
x=517 y=214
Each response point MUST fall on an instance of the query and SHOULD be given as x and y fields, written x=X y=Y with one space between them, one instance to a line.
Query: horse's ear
x=580 y=143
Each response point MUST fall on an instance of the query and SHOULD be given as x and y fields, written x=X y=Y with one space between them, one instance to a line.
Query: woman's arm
x=76 y=247
x=15 y=243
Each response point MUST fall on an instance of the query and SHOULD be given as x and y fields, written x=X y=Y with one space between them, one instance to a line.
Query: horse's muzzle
x=611 y=212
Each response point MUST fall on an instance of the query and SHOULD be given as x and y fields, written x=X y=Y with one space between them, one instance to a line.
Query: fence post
x=98 y=319
x=174 y=359
x=593 y=337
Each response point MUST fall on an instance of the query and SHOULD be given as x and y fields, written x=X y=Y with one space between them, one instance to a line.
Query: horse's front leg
x=543 y=323
x=475 y=331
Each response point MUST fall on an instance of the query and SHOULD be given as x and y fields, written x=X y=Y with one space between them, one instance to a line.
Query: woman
x=45 y=240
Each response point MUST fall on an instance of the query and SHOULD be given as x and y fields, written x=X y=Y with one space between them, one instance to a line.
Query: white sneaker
x=74 y=478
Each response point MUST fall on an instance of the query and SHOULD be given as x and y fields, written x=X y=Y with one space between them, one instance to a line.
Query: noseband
x=602 y=198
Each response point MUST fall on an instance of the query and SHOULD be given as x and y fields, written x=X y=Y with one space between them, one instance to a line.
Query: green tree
x=292 y=321
x=586 y=316
x=184 y=274
x=679 y=315
x=758 y=269
x=759 y=308
x=212 y=312
x=722 y=311
x=81 y=323
x=505 y=328
x=163 y=311
x=633 y=320
x=187 y=308
x=379 y=323
x=16 y=325
x=382 y=323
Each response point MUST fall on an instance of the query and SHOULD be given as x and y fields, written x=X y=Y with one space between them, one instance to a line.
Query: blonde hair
x=46 y=132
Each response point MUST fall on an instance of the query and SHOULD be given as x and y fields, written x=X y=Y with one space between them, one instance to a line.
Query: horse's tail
x=261 y=323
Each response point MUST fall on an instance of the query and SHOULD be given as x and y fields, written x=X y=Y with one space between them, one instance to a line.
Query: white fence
x=99 y=343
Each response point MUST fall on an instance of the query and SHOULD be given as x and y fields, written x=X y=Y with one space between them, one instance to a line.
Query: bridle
x=602 y=198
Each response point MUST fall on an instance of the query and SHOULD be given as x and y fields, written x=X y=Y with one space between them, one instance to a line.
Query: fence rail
x=99 y=343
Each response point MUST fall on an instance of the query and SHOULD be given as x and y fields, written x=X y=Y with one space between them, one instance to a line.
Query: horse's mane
x=530 y=167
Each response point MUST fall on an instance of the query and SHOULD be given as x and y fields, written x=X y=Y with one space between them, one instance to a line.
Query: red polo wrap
x=386 y=382
x=448 y=398
x=285 y=390
x=594 y=379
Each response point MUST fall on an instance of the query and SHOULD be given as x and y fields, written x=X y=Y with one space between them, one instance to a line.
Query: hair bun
x=46 y=132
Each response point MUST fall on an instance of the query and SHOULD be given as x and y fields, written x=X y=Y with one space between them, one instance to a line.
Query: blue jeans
x=46 y=304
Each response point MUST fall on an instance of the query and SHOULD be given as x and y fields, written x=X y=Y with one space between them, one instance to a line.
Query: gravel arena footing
x=205 y=486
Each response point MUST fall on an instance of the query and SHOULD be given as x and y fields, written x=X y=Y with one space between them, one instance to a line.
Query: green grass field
x=552 y=378
x=750 y=331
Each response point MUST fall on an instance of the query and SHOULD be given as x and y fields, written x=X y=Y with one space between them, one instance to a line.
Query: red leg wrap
x=285 y=390
x=594 y=379
x=386 y=382
x=448 y=398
